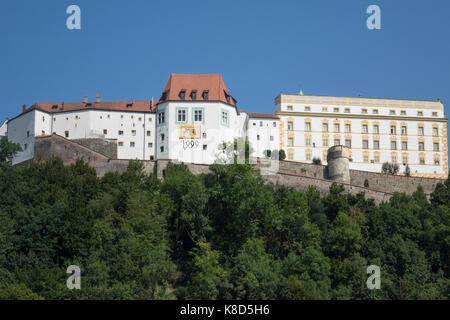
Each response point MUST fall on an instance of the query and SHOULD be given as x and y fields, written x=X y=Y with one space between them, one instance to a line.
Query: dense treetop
x=223 y=235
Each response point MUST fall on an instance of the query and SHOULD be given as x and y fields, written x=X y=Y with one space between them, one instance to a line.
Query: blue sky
x=126 y=50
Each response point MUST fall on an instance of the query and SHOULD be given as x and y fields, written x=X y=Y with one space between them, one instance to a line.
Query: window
x=434 y=114
x=393 y=145
x=271 y=138
x=120 y=143
x=393 y=130
x=132 y=144
x=376 y=158
x=133 y=132
x=421 y=146
x=308 y=141
x=225 y=120
x=194 y=94
x=55 y=107
x=420 y=131
x=365 y=128
x=394 y=158
x=290 y=141
x=347 y=110
x=405 y=159
x=289 y=108
x=105 y=131
x=337 y=142
x=162 y=136
x=308 y=155
x=140 y=119
x=336 y=127
x=290 y=125
x=160 y=117
x=150 y=145
x=404 y=145
x=348 y=128
x=291 y=155
x=198 y=115
x=392 y=112
x=66 y=134
x=365 y=144
x=324 y=109
x=307 y=108
x=120 y=132
x=364 y=111
x=436 y=146
x=436 y=161
x=375 y=111
x=181 y=115
x=274 y=124
x=335 y=109
x=403 y=112
x=28 y=133
x=404 y=130
x=435 y=132
x=348 y=143
x=420 y=113
x=25 y=146
x=376 y=144
x=161 y=148
x=260 y=123
x=257 y=137
x=43 y=132
x=308 y=126
x=204 y=135
x=182 y=94
x=422 y=159
x=105 y=143
x=121 y=116
x=205 y=147
x=325 y=142
x=205 y=95
x=366 y=158
x=376 y=129
x=129 y=105
x=149 y=133
x=325 y=127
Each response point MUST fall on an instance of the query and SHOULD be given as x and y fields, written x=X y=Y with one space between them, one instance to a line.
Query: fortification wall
x=294 y=174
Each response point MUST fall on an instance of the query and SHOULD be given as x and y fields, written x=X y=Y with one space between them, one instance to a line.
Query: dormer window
x=164 y=95
x=129 y=105
x=227 y=96
x=205 y=95
x=182 y=94
x=194 y=94
x=55 y=107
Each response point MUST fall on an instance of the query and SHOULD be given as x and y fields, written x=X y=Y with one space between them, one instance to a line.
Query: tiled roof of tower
x=137 y=106
x=194 y=86
x=261 y=115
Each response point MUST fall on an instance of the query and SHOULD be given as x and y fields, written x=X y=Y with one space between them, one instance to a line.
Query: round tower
x=338 y=163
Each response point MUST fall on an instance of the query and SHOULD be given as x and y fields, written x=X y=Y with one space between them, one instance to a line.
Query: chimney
x=97 y=98
x=85 y=99
x=24 y=108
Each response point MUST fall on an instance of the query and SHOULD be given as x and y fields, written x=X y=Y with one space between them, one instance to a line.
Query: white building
x=263 y=131
x=406 y=132
x=196 y=113
x=131 y=123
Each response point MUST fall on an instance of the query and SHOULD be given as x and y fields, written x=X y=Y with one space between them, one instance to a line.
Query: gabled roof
x=213 y=84
x=139 y=106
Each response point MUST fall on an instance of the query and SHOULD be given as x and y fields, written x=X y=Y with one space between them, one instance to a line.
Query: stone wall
x=294 y=174
x=107 y=147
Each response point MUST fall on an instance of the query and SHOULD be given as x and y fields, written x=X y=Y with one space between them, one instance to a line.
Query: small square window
x=150 y=145
x=205 y=147
x=132 y=144
x=120 y=143
x=364 y=111
x=105 y=131
x=149 y=133
x=133 y=132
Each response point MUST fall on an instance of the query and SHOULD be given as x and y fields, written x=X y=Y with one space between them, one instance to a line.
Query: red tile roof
x=261 y=115
x=140 y=106
x=213 y=83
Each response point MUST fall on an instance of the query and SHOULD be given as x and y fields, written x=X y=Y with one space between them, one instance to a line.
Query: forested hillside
x=225 y=235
